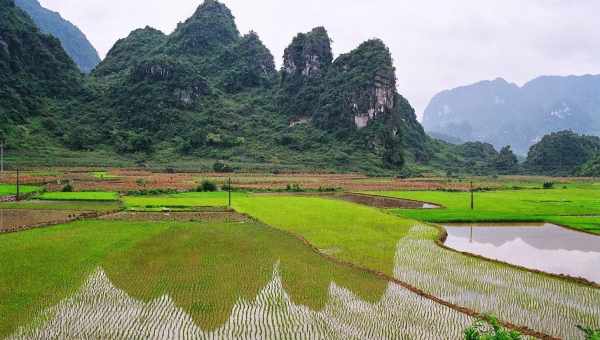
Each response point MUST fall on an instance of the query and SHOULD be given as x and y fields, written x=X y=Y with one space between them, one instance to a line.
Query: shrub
x=488 y=328
x=548 y=185
x=221 y=167
x=68 y=188
x=294 y=188
x=590 y=334
x=141 y=182
x=207 y=186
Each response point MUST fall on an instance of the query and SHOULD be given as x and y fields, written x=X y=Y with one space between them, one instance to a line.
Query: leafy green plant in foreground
x=488 y=328
x=590 y=333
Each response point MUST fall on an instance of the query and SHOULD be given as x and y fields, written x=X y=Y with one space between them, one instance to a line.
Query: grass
x=348 y=231
x=104 y=175
x=79 y=196
x=58 y=261
x=205 y=268
x=566 y=205
x=181 y=201
x=9 y=189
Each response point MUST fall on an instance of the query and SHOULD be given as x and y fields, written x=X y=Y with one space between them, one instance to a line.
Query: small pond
x=544 y=247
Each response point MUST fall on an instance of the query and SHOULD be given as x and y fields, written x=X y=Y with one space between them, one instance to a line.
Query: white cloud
x=436 y=44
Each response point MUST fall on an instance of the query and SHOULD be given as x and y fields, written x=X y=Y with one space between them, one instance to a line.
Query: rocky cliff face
x=365 y=83
x=72 y=39
x=309 y=55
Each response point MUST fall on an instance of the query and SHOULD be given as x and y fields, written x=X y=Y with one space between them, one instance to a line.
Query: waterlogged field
x=198 y=280
x=79 y=196
x=540 y=302
x=576 y=207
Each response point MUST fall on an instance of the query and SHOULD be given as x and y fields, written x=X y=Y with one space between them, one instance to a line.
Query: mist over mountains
x=502 y=113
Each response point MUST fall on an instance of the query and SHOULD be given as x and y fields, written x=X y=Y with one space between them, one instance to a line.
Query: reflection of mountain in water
x=546 y=237
x=100 y=310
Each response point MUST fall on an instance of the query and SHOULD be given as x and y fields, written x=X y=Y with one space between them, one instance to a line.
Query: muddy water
x=544 y=247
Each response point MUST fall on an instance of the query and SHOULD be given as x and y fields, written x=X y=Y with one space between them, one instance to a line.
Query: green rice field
x=11 y=189
x=296 y=266
x=79 y=196
x=574 y=207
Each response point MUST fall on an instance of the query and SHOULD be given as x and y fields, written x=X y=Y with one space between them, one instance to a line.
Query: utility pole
x=472 y=198
x=229 y=190
x=2 y=158
x=18 y=184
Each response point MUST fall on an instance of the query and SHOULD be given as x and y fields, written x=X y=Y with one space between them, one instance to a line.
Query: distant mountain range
x=502 y=113
x=72 y=39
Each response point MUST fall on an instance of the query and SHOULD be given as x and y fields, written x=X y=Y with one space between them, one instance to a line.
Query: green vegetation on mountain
x=35 y=73
x=563 y=153
x=206 y=93
x=72 y=39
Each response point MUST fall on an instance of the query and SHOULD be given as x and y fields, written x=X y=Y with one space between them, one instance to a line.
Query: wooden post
x=2 y=158
x=229 y=189
x=18 y=185
x=472 y=198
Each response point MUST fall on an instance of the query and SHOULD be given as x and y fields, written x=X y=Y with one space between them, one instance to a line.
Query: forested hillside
x=208 y=93
x=72 y=39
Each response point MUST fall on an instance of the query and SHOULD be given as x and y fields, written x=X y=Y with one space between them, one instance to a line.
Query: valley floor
x=184 y=265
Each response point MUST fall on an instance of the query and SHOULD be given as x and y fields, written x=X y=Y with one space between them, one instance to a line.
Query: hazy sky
x=436 y=44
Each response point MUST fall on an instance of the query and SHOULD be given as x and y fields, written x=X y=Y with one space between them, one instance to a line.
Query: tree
x=506 y=161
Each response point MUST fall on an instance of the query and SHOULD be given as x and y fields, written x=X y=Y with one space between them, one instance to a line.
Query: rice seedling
x=79 y=196
x=181 y=201
x=10 y=189
x=101 y=310
x=568 y=206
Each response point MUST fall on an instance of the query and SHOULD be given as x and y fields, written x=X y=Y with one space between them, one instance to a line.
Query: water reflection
x=545 y=247
x=101 y=310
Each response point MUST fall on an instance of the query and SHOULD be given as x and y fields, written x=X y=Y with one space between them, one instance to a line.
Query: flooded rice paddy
x=101 y=310
x=543 y=247
x=540 y=302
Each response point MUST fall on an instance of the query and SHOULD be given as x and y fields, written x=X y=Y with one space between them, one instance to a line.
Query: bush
x=548 y=185
x=221 y=167
x=488 y=328
x=590 y=334
x=294 y=188
x=68 y=188
x=207 y=186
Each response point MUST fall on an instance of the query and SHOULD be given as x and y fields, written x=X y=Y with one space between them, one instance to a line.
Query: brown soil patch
x=20 y=219
x=206 y=216
x=138 y=179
